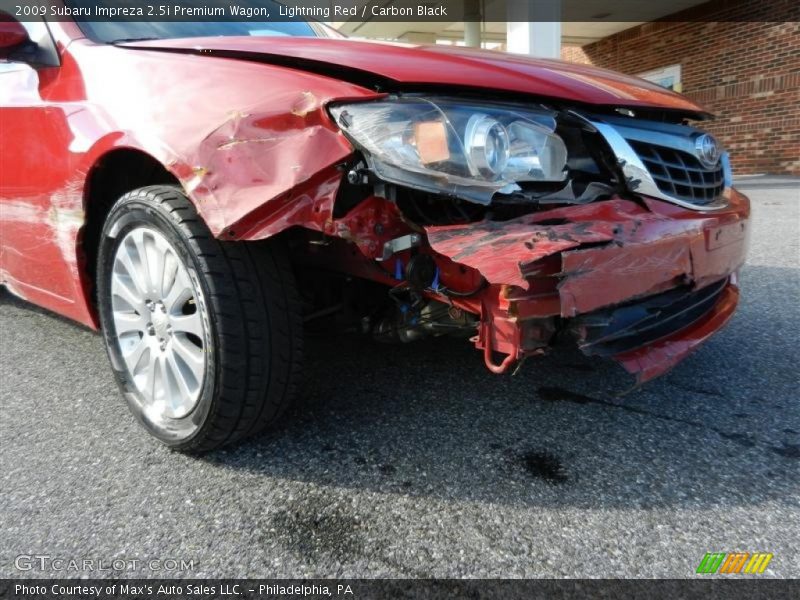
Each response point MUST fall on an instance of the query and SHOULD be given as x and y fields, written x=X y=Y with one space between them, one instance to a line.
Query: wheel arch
x=112 y=174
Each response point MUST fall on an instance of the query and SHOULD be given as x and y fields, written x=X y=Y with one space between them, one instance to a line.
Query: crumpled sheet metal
x=250 y=145
x=504 y=252
x=237 y=134
x=309 y=205
x=259 y=155
x=611 y=251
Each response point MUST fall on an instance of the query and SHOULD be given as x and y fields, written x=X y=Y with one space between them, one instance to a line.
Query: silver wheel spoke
x=120 y=288
x=131 y=268
x=188 y=324
x=180 y=292
x=150 y=374
x=187 y=384
x=134 y=356
x=169 y=274
x=143 y=243
x=129 y=322
x=192 y=356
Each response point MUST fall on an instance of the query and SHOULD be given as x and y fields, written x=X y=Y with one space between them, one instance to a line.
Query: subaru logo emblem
x=707 y=150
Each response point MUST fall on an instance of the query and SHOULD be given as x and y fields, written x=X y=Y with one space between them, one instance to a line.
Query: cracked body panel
x=640 y=248
x=606 y=253
x=598 y=255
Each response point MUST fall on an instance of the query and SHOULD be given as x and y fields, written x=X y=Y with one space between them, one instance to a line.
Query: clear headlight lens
x=487 y=146
x=453 y=147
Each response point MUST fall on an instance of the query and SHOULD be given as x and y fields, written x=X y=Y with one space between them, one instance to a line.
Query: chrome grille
x=680 y=175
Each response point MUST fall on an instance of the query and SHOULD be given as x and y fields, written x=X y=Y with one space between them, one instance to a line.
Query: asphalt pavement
x=414 y=461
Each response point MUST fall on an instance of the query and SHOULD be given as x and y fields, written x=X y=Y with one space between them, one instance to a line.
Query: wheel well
x=115 y=174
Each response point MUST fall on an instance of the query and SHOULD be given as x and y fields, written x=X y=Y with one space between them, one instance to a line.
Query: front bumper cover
x=649 y=336
x=527 y=278
x=615 y=257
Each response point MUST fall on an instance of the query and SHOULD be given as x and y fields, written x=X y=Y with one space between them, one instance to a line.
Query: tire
x=207 y=355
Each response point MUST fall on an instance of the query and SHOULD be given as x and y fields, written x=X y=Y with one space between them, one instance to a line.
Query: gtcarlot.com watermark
x=60 y=564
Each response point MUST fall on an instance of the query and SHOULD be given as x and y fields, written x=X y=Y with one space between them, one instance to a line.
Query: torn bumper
x=659 y=357
x=650 y=336
x=642 y=284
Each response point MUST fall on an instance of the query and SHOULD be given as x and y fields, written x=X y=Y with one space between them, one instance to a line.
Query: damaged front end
x=510 y=225
x=643 y=283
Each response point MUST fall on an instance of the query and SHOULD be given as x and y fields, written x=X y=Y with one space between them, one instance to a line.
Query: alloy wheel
x=159 y=324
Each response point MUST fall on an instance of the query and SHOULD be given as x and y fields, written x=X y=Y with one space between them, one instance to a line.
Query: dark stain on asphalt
x=555 y=394
x=787 y=451
x=387 y=469
x=311 y=527
x=702 y=391
x=740 y=438
x=545 y=466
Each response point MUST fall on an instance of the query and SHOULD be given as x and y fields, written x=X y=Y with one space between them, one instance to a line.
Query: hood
x=406 y=65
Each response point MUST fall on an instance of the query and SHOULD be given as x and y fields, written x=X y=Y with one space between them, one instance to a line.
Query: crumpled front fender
x=240 y=136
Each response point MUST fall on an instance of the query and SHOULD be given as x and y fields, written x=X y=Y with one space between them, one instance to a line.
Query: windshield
x=126 y=31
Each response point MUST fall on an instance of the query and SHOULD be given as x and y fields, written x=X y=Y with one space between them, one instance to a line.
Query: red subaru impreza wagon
x=202 y=192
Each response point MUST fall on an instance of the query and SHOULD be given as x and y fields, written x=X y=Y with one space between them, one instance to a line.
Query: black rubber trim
x=626 y=327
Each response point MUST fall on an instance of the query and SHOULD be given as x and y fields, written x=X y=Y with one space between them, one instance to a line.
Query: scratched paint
x=67 y=217
x=61 y=220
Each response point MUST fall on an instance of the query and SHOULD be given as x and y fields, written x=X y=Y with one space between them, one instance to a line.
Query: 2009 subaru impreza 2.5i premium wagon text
x=202 y=194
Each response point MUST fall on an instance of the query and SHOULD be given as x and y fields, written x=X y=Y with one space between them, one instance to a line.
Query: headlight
x=487 y=147
x=457 y=148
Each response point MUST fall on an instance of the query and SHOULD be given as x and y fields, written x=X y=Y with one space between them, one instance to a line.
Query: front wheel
x=204 y=337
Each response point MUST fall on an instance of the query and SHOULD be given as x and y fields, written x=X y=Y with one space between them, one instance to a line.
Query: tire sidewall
x=126 y=215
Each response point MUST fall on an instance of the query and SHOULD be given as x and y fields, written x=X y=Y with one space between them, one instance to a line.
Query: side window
x=42 y=53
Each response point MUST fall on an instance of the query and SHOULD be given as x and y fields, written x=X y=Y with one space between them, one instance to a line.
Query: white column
x=472 y=26
x=534 y=27
x=472 y=34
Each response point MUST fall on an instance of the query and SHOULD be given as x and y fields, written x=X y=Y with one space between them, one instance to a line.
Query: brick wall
x=746 y=73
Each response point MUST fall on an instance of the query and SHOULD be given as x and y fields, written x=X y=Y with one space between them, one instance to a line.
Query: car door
x=38 y=220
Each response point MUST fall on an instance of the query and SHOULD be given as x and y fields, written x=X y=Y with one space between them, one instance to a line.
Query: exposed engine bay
x=512 y=231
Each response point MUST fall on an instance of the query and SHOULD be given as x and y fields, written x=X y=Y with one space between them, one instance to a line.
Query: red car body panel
x=257 y=152
x=450 y=66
